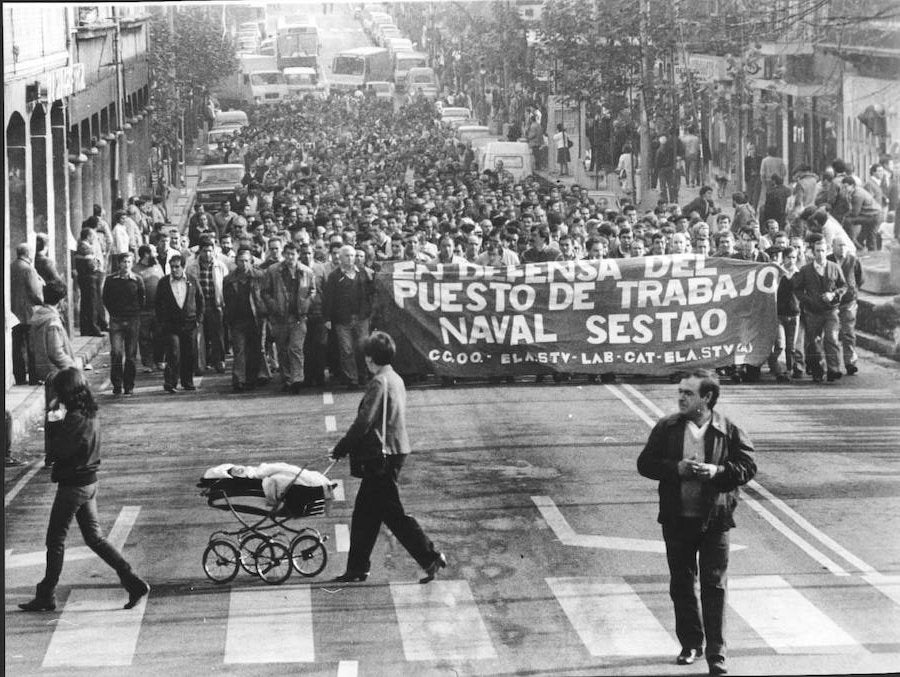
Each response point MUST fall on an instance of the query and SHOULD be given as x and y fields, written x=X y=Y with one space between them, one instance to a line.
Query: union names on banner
x=651 y=315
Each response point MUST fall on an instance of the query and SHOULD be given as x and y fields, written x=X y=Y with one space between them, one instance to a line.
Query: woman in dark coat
x=75 y=453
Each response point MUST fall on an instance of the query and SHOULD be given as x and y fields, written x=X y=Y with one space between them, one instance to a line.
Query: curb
x=31 y=409
x=878 y=345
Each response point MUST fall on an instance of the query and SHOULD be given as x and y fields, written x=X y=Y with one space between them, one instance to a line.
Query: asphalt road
x=531 y=490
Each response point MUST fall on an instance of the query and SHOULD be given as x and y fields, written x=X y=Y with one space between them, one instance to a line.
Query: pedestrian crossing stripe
x=442 y=622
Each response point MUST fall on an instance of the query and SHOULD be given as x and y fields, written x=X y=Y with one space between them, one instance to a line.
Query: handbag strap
x=384 y=417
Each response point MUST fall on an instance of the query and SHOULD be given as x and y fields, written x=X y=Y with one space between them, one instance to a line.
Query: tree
x=188 y=54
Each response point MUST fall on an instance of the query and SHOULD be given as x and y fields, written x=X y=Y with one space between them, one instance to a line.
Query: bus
x=295 y=36
x=352 y=68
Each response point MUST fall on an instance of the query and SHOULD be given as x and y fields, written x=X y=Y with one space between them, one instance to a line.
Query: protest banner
x=651 y=315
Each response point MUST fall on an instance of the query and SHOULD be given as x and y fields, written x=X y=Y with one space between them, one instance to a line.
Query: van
x=302 y=81
x=403 y=61
x=515 y=155
x=231 y=118
x=422 y=79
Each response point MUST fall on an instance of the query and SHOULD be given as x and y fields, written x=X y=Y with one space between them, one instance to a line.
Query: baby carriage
x=269 y=547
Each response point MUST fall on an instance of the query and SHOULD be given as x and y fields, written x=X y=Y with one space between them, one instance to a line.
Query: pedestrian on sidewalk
x=52 y=348
x=562 y=143
x=75 y=435
x=381 y=418
x=26 y=294
x=700 y=458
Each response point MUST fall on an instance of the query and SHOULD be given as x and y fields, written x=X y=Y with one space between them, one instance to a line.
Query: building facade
x=76 y=88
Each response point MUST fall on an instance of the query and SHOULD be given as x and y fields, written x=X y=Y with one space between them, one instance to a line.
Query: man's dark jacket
x=171 y=318
x=726 y=445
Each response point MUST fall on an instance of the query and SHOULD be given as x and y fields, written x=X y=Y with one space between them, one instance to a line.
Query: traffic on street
x=406 y=339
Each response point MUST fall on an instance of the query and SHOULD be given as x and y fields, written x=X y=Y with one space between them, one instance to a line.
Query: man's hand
x=706 y=471
x=328 y=325
x=687 y=468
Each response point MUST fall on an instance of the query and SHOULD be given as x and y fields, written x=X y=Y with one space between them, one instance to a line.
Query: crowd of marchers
x=281 y=277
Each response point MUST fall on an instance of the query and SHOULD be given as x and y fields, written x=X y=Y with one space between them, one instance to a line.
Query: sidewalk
x=26 y=403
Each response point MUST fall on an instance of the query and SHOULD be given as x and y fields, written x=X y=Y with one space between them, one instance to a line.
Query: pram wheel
x=308 y=555
x=273 y=562
x=220 y=561
x=249 y=545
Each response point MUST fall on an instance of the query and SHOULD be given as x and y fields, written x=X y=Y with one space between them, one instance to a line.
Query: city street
x=556 y=563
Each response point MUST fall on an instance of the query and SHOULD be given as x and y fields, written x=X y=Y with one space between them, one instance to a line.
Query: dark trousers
x=79 y=503
x=90 y=308
x=686 y=544
x=23 y=356
x=148 y=339
x=213 y=336
x=314 y=351
x=349 y=339
x=123 y=347
x=668 y=184
x=180 y=350
x=377 y=502
x=249 y=361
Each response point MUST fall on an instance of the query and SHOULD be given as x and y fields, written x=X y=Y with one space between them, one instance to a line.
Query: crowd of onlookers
x=281 y=276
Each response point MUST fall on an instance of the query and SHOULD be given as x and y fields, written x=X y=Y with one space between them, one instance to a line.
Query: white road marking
x=94 y=630
x=644 y=400
x=567 y=536
x=795 y=538
x=631 y=405
x=330 y=424
x=610 y=617
x=787 y=621
x=270 y=625
x=342 y=538
x=327 y=398
x=36 y=465
x=348 y=669
x=339 y=491
x=889 y=586
x=829 y=542
x=440 y=621
x=118 y=535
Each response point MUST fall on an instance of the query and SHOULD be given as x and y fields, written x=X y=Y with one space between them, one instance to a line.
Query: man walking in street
x=123 y=296
x=819 y=287
x=26 y=288
x=151 y=273
x=853 y=275
x=665 y=162
x=244 y=318
x=288 y=288
x=210 y=273
x=347 y=304
x=179 y=310
x=700 y=458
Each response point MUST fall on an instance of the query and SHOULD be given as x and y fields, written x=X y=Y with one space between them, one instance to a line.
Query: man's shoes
x=688 y=656
x=39 y=604
x=117 y=391
x=797 y=373
x=782 y=378
x=12 y=461
x=351 y=577
x=147 y=370
x=852 y=369
x=834 y=376
x=129 y=391
x=440 y=562
x=88 y=366
x=238 y=387
x=189 y=387
x=220 y=367
x=717 y=665
x=818 y=378
x=137 y=589
x=169 y=389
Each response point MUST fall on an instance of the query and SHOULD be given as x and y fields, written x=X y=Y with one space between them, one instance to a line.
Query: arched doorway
x=38 y=130
x=17 y=182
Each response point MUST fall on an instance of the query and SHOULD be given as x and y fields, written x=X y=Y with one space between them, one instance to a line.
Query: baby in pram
x=276 y=478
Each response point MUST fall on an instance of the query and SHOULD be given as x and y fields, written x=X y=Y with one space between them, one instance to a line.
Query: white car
x=452 y=114
x=381 y=89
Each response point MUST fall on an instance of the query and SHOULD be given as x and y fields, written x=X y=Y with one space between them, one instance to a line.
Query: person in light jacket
x=378 y=498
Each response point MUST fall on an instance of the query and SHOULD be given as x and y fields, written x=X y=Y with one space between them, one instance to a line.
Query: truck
x=352 y=68
x=256 y=81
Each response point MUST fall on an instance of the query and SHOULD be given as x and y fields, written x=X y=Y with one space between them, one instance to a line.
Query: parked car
x=449 y=114
x=380 y=89
x=218 y=182
x=424 y=80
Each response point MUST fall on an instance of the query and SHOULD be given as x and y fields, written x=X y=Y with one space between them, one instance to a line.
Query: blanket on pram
x=276 y=478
